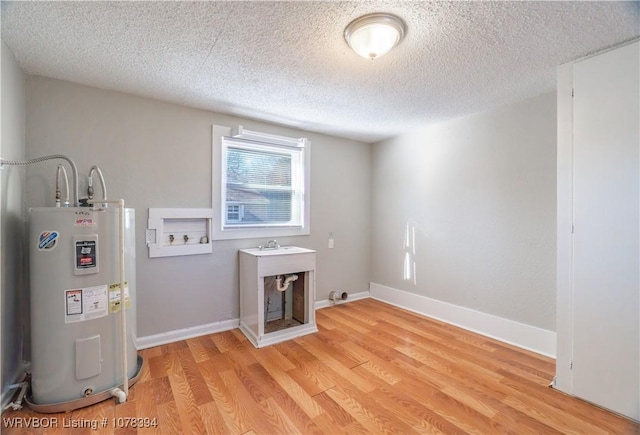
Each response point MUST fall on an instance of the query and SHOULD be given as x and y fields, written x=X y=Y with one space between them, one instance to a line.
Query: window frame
x=222 y=232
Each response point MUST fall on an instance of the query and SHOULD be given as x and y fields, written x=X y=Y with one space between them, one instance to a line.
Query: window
x=235 y=213
x=263 y=189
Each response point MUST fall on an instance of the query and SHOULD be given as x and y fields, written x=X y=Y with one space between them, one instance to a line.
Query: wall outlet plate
x=150 y=236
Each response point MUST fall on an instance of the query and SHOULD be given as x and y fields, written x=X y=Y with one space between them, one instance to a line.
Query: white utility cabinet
x=269 y=316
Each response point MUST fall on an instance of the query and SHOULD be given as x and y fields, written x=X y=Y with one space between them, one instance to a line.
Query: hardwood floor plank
x=169 y=421
x=279 y=419
x=592 y=415
x=326 y=323
x=331 y=347
x=198 y=351
x=356 y=428
x=328 y=426
x=257 y=386
x=151 y=352
x=194 y=378
x=209 y=346
x=552 y=416
x=472 y=401
x=295 y=353
x=299 y=406
x=344 y=322
x=464 y=416
x=147 y=399
x=380 y=349
x=371 y=422
x=270 y=356
x=171 y=361
x=241 y=355
x=509 y=354
x=519 y=422
x=342 y=373
x=415 y=413
x=226 y=341
x=379 y=372
x=308 y=381
x=363 y=316
x=255 y=418
x=376 y=405
x=489 y=391
x=214 y=422
x=282 y=377
x=174 y=347
x=232 y=413
x=304 y=401
x=156 y=367
x=410 y=329
x=186 y=404
x=126 y=413
x=93 y=415
x=161 y=390
x=352 y=351
x=239 y=335
x=336 y=413
x=221 y=362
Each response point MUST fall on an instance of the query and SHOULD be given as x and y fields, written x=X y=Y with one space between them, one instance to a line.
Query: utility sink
x=282 y=250
x=270 y=311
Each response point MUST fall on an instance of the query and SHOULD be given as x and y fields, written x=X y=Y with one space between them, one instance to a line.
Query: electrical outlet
x=330 y=240
x=150 y=236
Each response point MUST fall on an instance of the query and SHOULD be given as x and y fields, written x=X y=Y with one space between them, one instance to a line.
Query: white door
x=606 y=290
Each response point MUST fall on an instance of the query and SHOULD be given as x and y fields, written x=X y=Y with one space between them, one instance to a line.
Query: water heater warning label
x=86 y=254
x=85 y=304
x=74 y=302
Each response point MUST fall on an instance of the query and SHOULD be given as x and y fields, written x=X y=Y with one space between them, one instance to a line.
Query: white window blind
x=263 y=184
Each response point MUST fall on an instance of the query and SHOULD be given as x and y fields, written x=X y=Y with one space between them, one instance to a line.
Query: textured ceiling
x=287 y=62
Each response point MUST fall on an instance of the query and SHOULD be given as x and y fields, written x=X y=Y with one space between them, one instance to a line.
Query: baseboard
x=352 y=297
x=528 y=337
x=225 y=325
x=182 y=334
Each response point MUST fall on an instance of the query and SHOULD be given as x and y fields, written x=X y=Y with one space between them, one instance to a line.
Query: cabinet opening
x=284 y=301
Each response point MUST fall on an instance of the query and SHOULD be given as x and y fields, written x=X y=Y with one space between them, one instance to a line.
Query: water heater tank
x=76 y=349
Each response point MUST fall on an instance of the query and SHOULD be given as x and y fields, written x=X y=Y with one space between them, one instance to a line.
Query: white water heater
x=76 y=335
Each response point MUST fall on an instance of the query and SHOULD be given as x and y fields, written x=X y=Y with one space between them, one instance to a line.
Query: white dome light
x=373 y=35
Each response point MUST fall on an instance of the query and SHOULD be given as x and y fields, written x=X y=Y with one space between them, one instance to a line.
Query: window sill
x=255 y=233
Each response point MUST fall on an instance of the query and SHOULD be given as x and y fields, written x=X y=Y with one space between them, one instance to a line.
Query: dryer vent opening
x=338 y=296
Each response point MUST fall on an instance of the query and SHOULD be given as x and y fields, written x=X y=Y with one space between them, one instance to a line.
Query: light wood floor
x=372 y=368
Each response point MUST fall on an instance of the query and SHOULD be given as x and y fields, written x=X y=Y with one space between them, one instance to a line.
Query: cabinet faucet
x=272 y=244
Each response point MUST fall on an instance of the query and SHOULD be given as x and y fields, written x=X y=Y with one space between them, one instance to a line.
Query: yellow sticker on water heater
x=114 y=297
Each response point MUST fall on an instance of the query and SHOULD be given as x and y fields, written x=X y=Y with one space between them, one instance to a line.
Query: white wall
x=12 y=266
x=480 y=192
x=156 y=154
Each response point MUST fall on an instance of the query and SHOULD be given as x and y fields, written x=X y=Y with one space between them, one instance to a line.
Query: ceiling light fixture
x=373 y=35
